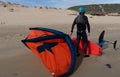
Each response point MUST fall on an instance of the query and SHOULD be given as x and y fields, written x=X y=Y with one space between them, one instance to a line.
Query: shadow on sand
x=79 y=60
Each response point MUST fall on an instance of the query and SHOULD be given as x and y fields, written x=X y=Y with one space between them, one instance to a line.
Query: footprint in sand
x=2 y=22
x=14 y=74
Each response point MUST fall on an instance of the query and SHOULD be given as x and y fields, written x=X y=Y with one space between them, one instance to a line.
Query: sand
x=16 y=60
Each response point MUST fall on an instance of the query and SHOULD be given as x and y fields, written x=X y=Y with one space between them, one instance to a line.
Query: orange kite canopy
x=92 y=48
x=54 y=48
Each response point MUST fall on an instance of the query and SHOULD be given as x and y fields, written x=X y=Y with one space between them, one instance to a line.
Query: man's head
x=81 y=10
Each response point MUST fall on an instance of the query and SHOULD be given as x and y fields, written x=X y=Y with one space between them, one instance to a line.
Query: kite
x=54 y=48
x=93 y=48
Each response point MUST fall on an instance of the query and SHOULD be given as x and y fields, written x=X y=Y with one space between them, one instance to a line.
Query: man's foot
x=86 y=55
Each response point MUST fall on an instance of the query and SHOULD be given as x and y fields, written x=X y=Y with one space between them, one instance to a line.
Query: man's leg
x=77 y=43
x=85 y=44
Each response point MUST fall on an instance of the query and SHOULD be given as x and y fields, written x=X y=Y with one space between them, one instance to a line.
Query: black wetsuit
x=81 y=31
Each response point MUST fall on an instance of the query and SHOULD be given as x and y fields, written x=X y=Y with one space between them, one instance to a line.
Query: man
x=81 y=21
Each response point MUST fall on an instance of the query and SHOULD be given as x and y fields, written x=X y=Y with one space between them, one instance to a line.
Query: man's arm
x=73 y=25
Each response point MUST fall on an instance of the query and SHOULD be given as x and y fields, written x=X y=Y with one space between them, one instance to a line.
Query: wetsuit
x=81 y=31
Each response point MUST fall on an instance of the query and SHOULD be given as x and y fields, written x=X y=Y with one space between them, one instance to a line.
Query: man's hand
x=71 y=33
x=88 y=34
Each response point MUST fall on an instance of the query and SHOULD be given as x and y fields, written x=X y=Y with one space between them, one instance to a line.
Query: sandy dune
x=18 y=61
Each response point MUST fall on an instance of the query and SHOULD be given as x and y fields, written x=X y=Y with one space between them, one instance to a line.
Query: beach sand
x=16 y=60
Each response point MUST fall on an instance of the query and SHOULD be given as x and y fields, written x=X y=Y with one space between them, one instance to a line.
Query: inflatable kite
x=92 y=48
x=54 y=48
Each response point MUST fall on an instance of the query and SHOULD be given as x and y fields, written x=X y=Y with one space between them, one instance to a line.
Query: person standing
x=81 y=21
